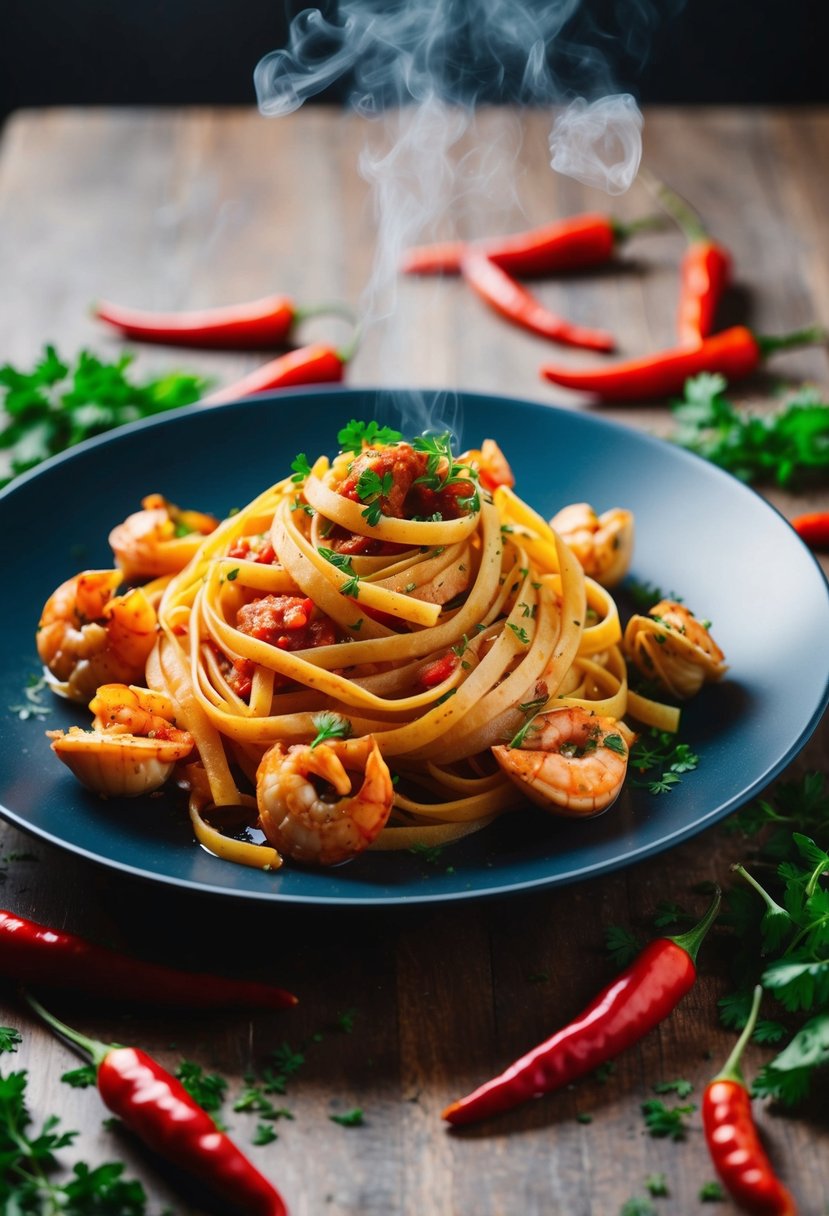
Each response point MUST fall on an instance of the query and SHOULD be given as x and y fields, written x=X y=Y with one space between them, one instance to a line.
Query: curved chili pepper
x=735 y=353
x=570 y=244
x=257 y=325
x=705 y=271
x=34 y=954
x=501 y=291
x=732 y=1138
x=157 y=1107
x=316 y=364
x=636 y=1001
x=813 y=528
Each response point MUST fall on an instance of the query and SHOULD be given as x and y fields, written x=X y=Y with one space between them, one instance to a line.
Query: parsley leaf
x=351 y=1118
x=711 y=1192
x=681 y=1088
x=788 y=446
x=206 y=1088
x=657 y=1186
x=342 y=561
x=9 y=1038
x=57 y=404
x=301 y=467
x=663 y=1121
x=84 y=1077
x=355 y=435
x=621 y=944
x=330 y=726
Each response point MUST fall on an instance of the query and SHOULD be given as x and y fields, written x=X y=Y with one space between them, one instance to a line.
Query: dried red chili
x=732 y=1138
x=157 y=1107
x=34 y=954
x=575 y=243
x=500 y=290
x=631 y=1005
x=316 y=364
x=735 y=353
x=254 y=325
x=813 y=528
x=705 y=271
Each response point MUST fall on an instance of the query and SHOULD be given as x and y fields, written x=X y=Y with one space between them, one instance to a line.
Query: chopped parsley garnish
x=621 y=944
x=330 y=726
x=371 y=489
x=520 y=632
x=666 y=1122
x=206 y=1088
x=81 y=1078
x=9 y=1038
x=351 y=1118
x=659 y=750
x=343 y=562
x=356 y=435
x=531 y=710
x=442 y=471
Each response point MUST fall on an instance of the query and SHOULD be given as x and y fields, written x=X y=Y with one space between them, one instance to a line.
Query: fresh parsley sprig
x=443 y=471
x=791 y=928
x=372 y=489
x=355 y=436
x=788 y=446
x=660 y=753
x=342 y=561
x=330 y=726
x=60 y=403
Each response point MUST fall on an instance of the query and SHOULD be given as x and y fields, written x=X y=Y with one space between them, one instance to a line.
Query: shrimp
x=160 y=539
x=491 y=464
x=88 y=636
x=308 y=806
x=602 y=543
x=671 y=646
x=132 y=746
x=571 y=762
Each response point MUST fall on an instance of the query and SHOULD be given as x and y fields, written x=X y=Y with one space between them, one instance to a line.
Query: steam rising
x=424 y=66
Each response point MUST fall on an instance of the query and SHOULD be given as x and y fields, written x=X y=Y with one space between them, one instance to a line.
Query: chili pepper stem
x=331 y=308
x=623 y=230
x=690 y=942
x=346 y=353
x=813 y=336
x=676 y=206
x=96 y=1050
x=731 y=1070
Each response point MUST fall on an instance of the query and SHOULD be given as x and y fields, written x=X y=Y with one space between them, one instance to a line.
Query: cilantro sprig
x=60 y=403
x=788 y=446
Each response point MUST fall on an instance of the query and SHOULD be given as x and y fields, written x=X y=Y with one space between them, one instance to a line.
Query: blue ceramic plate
x=700 y=534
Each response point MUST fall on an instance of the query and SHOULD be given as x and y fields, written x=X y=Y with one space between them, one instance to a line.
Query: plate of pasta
x=373 y=646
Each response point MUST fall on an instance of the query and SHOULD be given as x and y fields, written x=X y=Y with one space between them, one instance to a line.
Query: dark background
x=203 y=51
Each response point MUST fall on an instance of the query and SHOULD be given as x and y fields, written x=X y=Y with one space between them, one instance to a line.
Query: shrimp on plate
x=671 y=646
x=159 y=539
x=132 y=746
x=313 y=807
x=602 y=543
x=570 y=761
x=88 y=635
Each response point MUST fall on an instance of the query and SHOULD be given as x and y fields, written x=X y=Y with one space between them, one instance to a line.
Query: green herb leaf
x=355 y=435
x=9 y=1038
x=55 y=406
x=85 y=1077
x=657 y=1186
x=351 y=1118
x=330 y=726
x=206 y=1088
x=662 y=1121
x=621 y=944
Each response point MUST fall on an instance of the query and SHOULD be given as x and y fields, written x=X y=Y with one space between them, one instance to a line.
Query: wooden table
x=188 y=208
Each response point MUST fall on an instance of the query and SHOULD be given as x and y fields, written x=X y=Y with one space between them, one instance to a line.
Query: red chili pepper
x=570 y=244
x=705 y=271
x=317 y=364
x=500 y=290
x=636 y=1001
x=733 y=1141
x=813 y=528
x=34 y=954
x=158 y=1108
x=256 y=325
x=735 y=353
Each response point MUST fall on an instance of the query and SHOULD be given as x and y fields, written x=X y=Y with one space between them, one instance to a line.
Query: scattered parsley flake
x=711 y=1192
x=657 y=1186
x=264 y=1134
x=206 y=1088
x=301 y=467
x=330 y=726
x=85 y=1077
x=666 y=1122
x=351 y=1118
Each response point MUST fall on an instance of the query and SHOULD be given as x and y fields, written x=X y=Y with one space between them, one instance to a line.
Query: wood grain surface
x=195 y=207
